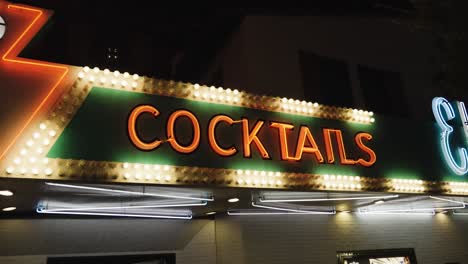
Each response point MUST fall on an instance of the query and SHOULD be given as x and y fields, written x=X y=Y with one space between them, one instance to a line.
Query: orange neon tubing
x=283 y=138
x=171 y=138
x=131 y=127
x=305 y=134
x=212 y=137
x=366 y=149
x=5 y=58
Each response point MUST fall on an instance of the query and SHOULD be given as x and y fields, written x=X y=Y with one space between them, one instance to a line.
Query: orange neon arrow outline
x=14 y=59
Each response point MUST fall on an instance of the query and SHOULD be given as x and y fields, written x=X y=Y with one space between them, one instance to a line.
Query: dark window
x=325 y=80
x=383 y=91
x=121 y=259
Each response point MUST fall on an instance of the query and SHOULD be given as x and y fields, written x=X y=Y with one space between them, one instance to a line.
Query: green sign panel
x=102 y=130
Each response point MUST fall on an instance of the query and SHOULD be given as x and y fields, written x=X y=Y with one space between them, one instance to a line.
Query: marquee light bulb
x=10 y=170
x=86 y=69
x=6 y=193
x=116 y=73
x=48 y=171
x=126 y=74
x=81 y=75
x=96 y=69
x=52 y=133
x=106 y=71
x=9 y=209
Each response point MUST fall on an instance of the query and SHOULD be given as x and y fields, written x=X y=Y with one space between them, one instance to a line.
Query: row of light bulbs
x=213 y=94
x=328 y=177
x=30 y=159
x=408 y=185
x=297 y=106
x=459 y=184
x=458 y=187
x=459 y=190
x=216 y=94
x=362 y=116
x=258 y=178
x=146 y=171
x=341 y=182
x=114 y=78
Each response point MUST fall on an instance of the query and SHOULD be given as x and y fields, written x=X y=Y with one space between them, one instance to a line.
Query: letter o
x=171 y=135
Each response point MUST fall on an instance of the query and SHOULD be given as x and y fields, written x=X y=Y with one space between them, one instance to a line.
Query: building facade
x=115 y=167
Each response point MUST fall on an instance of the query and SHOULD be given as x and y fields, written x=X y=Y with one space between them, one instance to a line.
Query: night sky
x=168 y=43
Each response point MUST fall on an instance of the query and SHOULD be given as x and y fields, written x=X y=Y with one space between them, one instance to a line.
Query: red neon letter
x=304 y=134
x=212 y=138
x=341 y=149
x=372 y=157
x=251 y=137
x=131 y=126
x=282 y=127
x=171 y=135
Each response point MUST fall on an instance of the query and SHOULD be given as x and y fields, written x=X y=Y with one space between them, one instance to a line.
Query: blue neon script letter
x=439 y=103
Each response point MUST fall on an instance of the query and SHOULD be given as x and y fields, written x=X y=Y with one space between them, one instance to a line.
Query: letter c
x=131 y=125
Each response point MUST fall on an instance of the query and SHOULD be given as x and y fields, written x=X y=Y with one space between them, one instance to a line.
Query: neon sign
x=2 y=27
x=251 y=139
x=444 y=112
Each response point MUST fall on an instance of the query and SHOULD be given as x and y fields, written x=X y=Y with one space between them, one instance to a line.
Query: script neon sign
x=251 y=141
x=440 y=106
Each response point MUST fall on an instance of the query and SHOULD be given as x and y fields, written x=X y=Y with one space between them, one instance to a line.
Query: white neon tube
x=437 y=104
x=456 y=213
x=448 y=200
x=464 y=117
x=291 y=210
x=127 y=207
x=432 y=212
x=327 y=199
x=265 y=213
x=421 y=209
x=128 y=192
x=186 y=217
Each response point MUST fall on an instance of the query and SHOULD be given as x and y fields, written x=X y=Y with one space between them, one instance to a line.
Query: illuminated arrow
x=10 y=57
